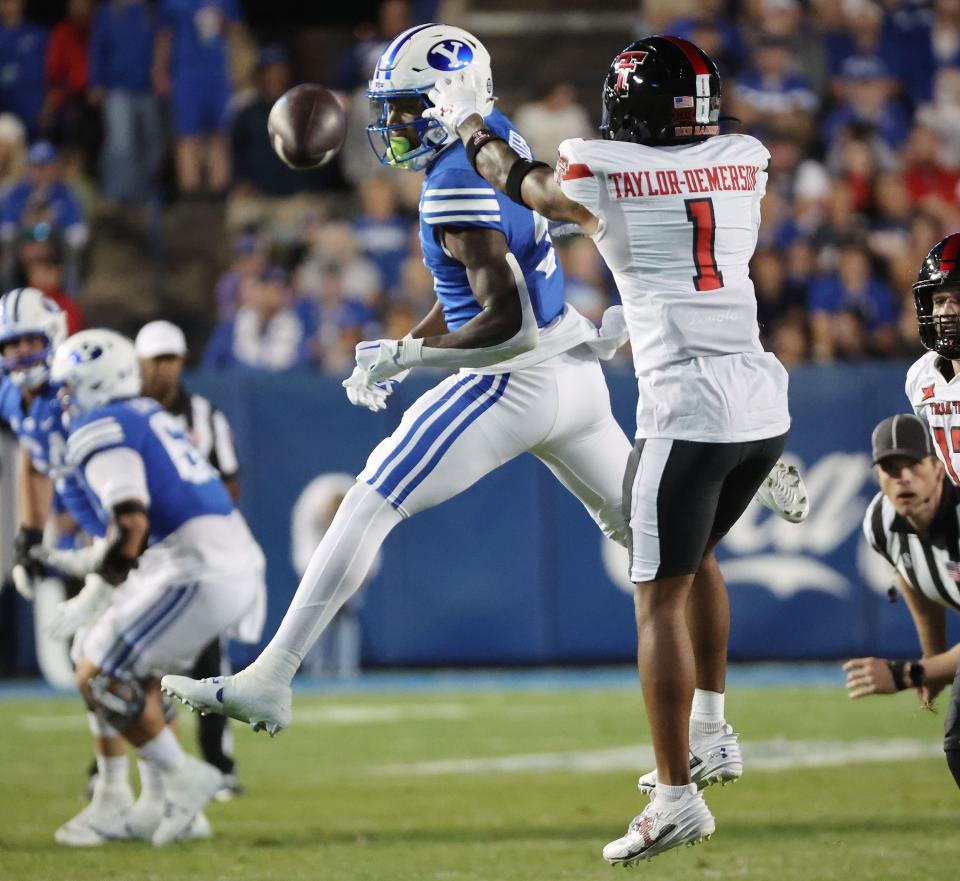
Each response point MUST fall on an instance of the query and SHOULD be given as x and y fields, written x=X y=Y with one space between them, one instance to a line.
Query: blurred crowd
x=136 y=102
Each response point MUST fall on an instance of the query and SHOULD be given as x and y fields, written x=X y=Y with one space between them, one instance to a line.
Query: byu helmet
x=96 y=367
x=28 y=312
x=409 y=68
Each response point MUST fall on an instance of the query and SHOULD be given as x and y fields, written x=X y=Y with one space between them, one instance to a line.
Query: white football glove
x=379 y=359
x=78 y=563
x=23 y=582
x=612 y=334
x=454 y=98
x=84 y=608
x=362 y=392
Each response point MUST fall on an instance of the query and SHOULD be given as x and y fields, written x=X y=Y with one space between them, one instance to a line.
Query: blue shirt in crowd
x=121 y=46
x=199 y=35
x=874 y=302
x=56 y=204
x=23 y=50
x=385 y=243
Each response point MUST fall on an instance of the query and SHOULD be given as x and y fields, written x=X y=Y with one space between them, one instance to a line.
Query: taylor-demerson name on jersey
x=936 y=400
x=678 y=226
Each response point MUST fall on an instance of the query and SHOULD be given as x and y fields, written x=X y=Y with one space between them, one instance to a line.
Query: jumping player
x=530 y=379
x=674 y=208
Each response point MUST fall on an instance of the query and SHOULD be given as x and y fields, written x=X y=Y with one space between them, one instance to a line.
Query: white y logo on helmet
x=453 y=55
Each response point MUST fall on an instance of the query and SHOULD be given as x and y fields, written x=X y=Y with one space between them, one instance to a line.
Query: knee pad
x=120 y=700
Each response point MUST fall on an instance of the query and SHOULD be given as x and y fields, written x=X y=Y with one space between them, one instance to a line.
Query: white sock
x=112 y=771
x=164 y=751
x=151 y=783
x=336 y=571
x=706 y=714
x=672 y=793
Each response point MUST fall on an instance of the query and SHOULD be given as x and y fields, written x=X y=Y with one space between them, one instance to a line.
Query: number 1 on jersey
x=700 y=214
x=940 y=436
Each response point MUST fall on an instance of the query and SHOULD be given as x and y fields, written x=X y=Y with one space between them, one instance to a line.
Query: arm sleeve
x=117 y=475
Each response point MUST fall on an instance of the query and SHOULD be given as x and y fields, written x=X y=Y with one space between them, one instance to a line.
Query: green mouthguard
x=399 y=148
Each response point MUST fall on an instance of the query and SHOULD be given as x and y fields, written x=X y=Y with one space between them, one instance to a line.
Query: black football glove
x=25 y=539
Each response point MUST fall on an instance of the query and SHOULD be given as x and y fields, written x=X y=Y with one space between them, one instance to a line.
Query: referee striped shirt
x=209 y=430
x=929 y=563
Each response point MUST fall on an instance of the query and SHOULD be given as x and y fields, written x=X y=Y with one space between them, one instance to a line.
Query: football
x=307 y=125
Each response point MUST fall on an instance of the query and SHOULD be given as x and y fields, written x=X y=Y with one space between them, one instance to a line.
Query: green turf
x=321 y=806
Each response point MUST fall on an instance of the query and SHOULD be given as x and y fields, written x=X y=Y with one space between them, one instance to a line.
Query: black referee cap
x=901 y=435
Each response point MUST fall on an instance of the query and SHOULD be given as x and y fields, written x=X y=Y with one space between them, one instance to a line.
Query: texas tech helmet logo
x=624 y=65
x=951 y=250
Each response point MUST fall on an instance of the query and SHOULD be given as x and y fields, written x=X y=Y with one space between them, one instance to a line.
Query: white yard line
x=761 y=755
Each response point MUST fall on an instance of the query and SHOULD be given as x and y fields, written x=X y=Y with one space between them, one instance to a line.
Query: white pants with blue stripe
x=470 y=424
x=183 y=595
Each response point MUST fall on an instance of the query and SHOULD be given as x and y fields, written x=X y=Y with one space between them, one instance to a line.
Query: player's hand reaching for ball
x=454 y=98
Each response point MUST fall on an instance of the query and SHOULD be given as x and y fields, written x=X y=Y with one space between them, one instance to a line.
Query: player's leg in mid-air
x=682 y=497
x=452 y=436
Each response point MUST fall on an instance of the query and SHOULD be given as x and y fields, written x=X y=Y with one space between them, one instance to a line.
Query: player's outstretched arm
x=532 y=184
x=538 y=188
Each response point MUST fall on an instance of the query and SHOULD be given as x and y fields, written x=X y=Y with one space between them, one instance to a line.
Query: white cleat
x=663 y=824
x=143 y=820
x=104 y=819
x=714 y=758
x=784 y=492
x=188 y=789
x=264 y=703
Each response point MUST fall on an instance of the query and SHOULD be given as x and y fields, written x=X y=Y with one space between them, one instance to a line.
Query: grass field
x=512 y=786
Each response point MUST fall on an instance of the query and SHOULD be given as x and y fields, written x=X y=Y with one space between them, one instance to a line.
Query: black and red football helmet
x=940 y=272
x=659 y=91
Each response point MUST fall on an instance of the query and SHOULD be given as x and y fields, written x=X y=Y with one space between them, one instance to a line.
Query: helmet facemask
x=938 y=333
x=389 y=141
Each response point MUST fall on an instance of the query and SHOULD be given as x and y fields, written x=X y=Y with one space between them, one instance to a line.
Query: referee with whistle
x=914 y=523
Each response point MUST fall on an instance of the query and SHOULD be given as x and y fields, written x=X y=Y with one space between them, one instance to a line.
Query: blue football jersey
x=41 y=431
x=182 y=484
x=454 y=195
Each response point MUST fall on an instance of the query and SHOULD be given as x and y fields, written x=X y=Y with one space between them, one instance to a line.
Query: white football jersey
x=937 y=401
x=678 y=226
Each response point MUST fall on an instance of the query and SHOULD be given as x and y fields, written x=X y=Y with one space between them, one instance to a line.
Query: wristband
x=518 y=171
x=896 y=670
x=917 y=674
x=476 y=141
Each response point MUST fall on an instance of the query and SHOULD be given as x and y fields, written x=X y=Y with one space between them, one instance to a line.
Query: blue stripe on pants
x=129 y=634
x=426 y=414
x=486 y=405
x=441 y=423
x=149 y=632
